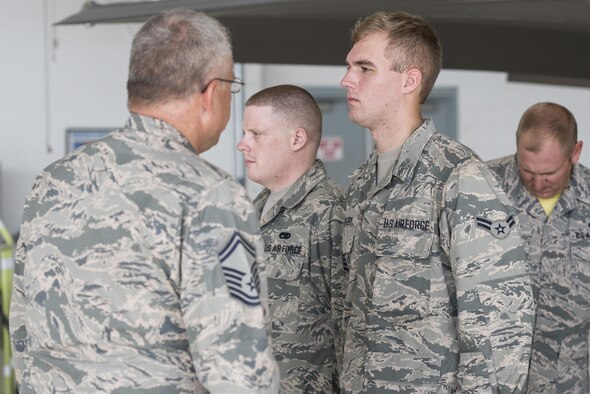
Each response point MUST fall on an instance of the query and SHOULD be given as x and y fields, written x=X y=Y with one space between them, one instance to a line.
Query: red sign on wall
x=331 y=149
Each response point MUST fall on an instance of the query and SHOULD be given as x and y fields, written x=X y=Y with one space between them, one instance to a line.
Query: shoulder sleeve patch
x=499 y=229
x=238 y=263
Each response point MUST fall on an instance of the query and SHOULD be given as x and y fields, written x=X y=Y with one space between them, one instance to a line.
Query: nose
x=242 y=146
x=538 y=183
x=346 y=81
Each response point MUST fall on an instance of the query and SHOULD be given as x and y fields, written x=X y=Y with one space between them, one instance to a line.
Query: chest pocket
x=580 y=243
x=347 y=238
x=351 y=225
x=284 y=277
x=406 y=230
x=401 y=288
x=578 y=269
x=347 y=241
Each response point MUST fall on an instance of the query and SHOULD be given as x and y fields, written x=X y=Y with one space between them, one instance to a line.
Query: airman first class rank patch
x=238 y=262
x=499 y=229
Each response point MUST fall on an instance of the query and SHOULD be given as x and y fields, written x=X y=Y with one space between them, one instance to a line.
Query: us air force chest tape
x=286 y=244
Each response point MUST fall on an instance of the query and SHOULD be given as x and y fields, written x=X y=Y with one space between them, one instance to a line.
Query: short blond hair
x=293 y=103
x=412 y=44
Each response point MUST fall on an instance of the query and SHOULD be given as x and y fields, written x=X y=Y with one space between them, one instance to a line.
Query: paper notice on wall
x=331 y=149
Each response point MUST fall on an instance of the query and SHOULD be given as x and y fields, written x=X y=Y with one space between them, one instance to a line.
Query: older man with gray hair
x=139 y=266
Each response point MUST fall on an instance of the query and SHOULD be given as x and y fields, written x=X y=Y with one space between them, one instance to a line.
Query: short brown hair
x=412 y=44
x=294 y=103
x=548 y=119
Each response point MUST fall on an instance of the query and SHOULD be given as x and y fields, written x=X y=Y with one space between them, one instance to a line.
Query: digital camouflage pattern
x=302 y=236
x=120 y=282
x=558 y=259
x=438 y=299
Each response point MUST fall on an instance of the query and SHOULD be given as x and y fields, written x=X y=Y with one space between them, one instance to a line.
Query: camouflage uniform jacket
x=438 y=299
x=302 y=235
x=558 y=257
x=128 y=269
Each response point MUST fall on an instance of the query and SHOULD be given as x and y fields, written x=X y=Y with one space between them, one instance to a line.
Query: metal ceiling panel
x=545 y=41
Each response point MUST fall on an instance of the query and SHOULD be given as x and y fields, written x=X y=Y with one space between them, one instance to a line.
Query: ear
x=299 y=139
x=577 y=152
x=207 y=97
x=412 y=81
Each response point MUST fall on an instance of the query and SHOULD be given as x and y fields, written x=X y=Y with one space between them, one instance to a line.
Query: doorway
x=345 y=146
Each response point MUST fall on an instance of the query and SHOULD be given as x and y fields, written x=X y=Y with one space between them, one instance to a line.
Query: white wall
x=489 y=106
x=53 y=78
x=58 y=77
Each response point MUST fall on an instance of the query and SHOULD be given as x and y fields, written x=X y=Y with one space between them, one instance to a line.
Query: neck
x=177 y=113
x=292 y=174
x=390 y=136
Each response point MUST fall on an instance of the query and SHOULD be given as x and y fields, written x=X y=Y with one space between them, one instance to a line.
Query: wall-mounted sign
x=76 y=137
x=331 y=148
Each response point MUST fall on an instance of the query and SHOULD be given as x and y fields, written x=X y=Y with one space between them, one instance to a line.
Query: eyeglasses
x=235 y=87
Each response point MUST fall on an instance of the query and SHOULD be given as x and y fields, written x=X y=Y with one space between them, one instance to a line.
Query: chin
x=356 y=120
x=252 y=177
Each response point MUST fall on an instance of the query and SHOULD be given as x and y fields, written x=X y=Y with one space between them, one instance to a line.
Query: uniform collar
x=158 y=128
x=412 y=151
x=295 y=194
x=578 y=190
x=405 y=165
x=519 y=194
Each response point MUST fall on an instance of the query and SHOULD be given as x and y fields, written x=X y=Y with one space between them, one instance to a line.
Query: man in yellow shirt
x=551 y=191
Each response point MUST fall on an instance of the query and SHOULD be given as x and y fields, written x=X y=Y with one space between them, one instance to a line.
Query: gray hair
x=173 y=53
